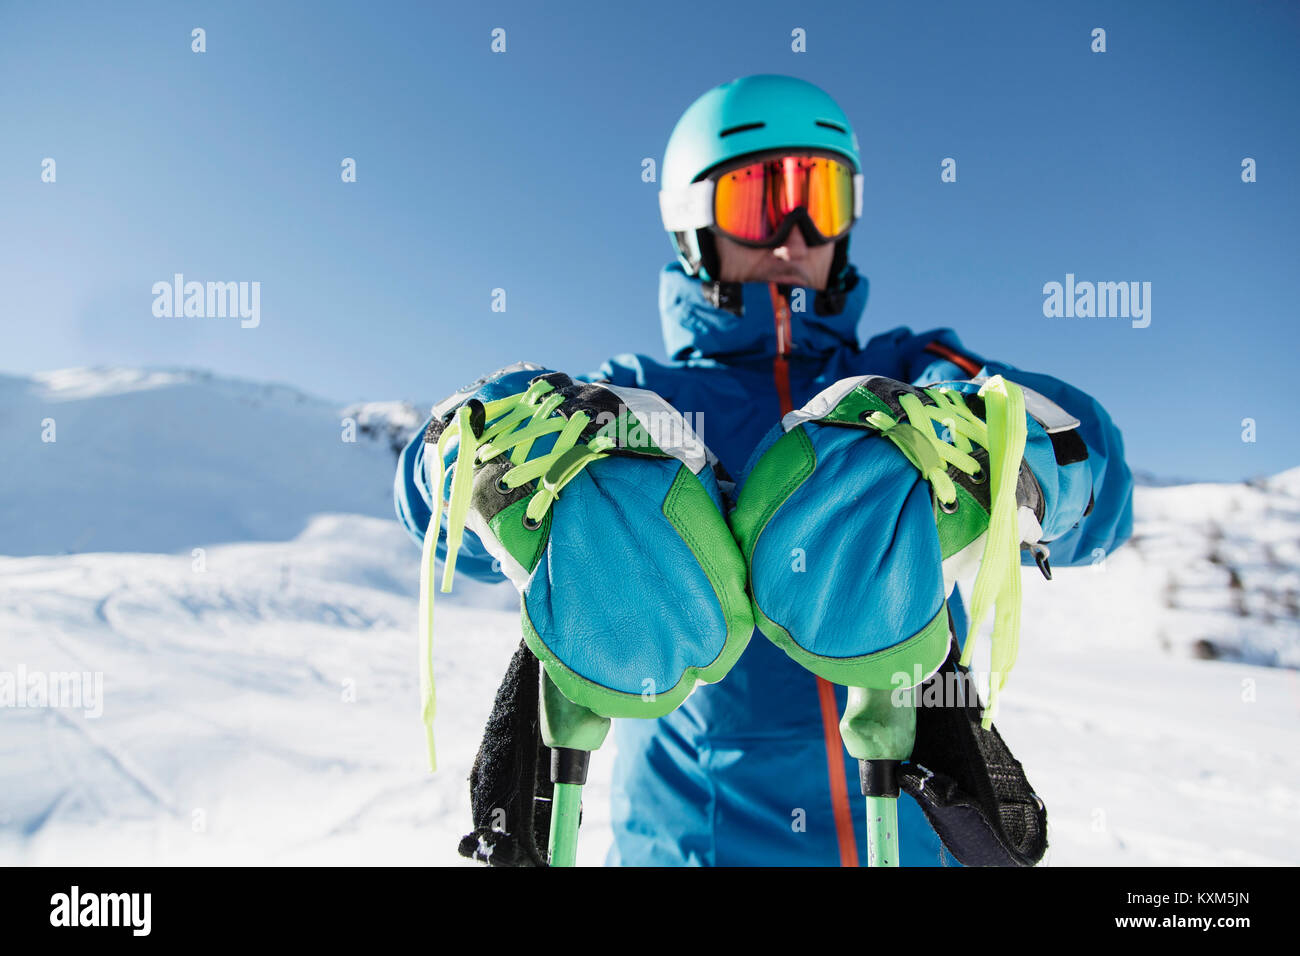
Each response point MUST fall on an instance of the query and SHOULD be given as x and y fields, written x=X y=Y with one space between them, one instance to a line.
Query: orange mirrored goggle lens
x=751 y=202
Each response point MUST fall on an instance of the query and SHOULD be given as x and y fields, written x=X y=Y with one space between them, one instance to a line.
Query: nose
x=794 y=246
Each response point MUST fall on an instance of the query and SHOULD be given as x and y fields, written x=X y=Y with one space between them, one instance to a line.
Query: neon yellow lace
x=514 y=424
x=997 y=584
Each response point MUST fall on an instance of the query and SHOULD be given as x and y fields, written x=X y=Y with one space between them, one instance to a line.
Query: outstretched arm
x=1089 y=498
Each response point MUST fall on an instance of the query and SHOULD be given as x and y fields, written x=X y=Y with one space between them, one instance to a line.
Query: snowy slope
x=1212 y=571
x=262 y=709
x=260 y=698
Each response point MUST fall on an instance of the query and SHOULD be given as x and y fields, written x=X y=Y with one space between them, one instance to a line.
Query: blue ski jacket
x=745 y=771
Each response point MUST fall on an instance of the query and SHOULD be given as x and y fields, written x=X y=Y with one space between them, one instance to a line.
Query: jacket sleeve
x=626 y=369
x=414 y=503
x=1089 y=503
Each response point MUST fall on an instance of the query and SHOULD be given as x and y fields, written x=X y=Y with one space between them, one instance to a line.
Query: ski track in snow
x=227 y=733
x=260 y=703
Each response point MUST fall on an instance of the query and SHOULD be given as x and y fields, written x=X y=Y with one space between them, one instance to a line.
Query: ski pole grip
x=876 y=727
x=565 y=724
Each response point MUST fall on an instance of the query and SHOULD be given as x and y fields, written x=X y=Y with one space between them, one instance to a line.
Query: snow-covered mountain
x=240 y=592
x=129 y=460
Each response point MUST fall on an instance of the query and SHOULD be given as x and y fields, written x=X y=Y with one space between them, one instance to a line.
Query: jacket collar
x=693 y=327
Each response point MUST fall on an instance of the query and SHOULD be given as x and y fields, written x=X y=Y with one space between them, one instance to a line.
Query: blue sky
x=522 y=171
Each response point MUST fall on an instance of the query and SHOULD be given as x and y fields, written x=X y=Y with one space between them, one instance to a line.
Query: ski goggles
x=753 y=203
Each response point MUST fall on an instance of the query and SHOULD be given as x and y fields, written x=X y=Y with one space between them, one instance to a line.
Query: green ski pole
x=572 y=732
x=880 y=734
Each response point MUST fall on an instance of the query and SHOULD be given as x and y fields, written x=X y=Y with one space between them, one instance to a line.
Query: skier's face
x=792 y=262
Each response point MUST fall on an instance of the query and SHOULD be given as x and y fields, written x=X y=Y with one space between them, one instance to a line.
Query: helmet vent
x=740 y=129
x=835 y=126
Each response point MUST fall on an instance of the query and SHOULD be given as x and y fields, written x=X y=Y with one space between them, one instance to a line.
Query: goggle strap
x=690 y=207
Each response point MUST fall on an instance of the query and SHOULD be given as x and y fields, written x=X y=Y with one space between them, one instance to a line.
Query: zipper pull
x=1041 y=554
x=781 y=308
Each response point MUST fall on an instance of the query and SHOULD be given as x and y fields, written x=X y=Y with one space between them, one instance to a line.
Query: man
x=761 y=185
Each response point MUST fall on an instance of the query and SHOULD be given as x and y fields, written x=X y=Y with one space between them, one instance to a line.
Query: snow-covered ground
x=258 y=697
x=262 y=708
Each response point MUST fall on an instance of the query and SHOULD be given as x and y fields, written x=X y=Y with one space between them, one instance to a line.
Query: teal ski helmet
x=748 y=115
